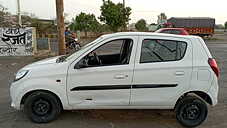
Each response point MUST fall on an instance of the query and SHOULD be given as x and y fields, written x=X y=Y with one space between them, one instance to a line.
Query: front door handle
x=120 y=76
x=179 y=73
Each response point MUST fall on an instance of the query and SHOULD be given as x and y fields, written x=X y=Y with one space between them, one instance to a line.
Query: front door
x=106 y=75
x=162 y=70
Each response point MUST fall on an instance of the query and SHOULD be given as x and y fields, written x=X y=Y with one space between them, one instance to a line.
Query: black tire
x=191 y=111
x=42 y=107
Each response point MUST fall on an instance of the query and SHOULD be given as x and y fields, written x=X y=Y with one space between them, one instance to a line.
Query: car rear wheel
x=42 y=107
x=191 y=111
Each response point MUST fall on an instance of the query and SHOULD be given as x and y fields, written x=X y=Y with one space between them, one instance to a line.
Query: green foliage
x=163 y=16
x=116 y=16
x=141 y=25
x=3 y=17
x=26 y=19
x=226 y=25
x=219 y=26
x=85 y=22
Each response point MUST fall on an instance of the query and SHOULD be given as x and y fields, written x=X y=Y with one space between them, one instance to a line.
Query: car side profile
x=129 y=70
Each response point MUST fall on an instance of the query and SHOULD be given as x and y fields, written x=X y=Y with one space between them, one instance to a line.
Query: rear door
x=163 y=69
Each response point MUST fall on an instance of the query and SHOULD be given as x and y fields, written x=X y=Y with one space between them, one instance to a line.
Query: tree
x=85 y=22
x=163 y=15
x=219 y=26
x=116 y=16
x=5 y=20
x=162 y=18
x=225 y=25
x=141 y=25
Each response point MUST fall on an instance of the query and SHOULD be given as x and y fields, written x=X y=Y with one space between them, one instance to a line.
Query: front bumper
x=15 y=95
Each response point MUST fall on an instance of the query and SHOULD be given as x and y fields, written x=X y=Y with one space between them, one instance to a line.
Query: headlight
x=21 y=74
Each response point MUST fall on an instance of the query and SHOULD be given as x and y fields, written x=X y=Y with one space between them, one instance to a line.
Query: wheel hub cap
x=41 y=107
x=192 y=112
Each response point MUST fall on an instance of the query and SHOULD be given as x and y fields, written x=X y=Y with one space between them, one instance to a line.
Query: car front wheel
x=42 y=107
x=191 y=111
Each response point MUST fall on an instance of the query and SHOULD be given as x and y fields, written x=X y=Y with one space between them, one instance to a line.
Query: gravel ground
x=10 y=118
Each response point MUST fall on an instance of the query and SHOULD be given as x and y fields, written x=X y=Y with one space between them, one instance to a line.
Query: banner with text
x=16 y=41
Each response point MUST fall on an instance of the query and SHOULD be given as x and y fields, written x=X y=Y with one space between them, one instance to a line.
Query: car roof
x=148 y=34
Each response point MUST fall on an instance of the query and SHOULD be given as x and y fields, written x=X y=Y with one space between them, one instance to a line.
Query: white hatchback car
x=122 y=71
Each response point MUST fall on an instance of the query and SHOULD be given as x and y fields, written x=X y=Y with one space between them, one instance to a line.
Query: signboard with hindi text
x=16 y=41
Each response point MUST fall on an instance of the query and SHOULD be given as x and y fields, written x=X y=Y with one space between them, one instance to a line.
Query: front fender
x=20 y=89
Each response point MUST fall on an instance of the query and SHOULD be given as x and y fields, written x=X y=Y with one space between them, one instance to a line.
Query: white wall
x=16 y=41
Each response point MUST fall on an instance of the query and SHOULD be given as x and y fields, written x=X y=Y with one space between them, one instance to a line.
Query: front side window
x=116 y=52
x=162 y=50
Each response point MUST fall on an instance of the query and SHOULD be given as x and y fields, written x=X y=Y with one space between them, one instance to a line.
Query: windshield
x=68 y=57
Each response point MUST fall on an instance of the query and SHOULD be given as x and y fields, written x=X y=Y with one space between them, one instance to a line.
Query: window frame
x=164 y=60
x=105 y=44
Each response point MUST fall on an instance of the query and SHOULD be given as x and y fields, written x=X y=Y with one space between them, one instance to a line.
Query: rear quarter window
x=162 y=50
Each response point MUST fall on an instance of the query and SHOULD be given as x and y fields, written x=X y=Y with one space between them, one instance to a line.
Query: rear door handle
x=179 y=73
x=120 y=76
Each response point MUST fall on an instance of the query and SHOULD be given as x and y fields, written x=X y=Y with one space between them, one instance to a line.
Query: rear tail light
x=213 y=64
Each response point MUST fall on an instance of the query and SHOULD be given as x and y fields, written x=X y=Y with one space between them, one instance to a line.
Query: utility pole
x=60 y=26
x=125 y=26
x=19 y=13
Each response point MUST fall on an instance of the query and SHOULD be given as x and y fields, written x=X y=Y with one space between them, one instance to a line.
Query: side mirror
x=81 y=64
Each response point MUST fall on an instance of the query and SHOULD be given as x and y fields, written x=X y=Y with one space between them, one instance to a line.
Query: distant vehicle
x=74 y=45
x=177 y=31
x=201 y=26
x=122 y=71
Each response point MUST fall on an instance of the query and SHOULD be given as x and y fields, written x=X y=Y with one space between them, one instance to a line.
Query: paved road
x=9 y=118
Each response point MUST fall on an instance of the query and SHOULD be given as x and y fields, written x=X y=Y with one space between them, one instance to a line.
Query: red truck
x=201 y=26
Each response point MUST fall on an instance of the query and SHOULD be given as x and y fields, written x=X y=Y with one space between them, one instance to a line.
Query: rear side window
x=162 y=50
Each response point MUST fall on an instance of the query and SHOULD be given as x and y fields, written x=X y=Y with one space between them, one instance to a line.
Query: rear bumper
x=213 y=92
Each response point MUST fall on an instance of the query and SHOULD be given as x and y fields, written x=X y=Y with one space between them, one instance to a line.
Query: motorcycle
x=73 y=45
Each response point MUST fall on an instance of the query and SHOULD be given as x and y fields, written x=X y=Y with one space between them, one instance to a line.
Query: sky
x=146 y=9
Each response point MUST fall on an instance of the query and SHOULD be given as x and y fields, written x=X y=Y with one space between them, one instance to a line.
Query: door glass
x=116 y=52
x=110 y=48
x=162 y=50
